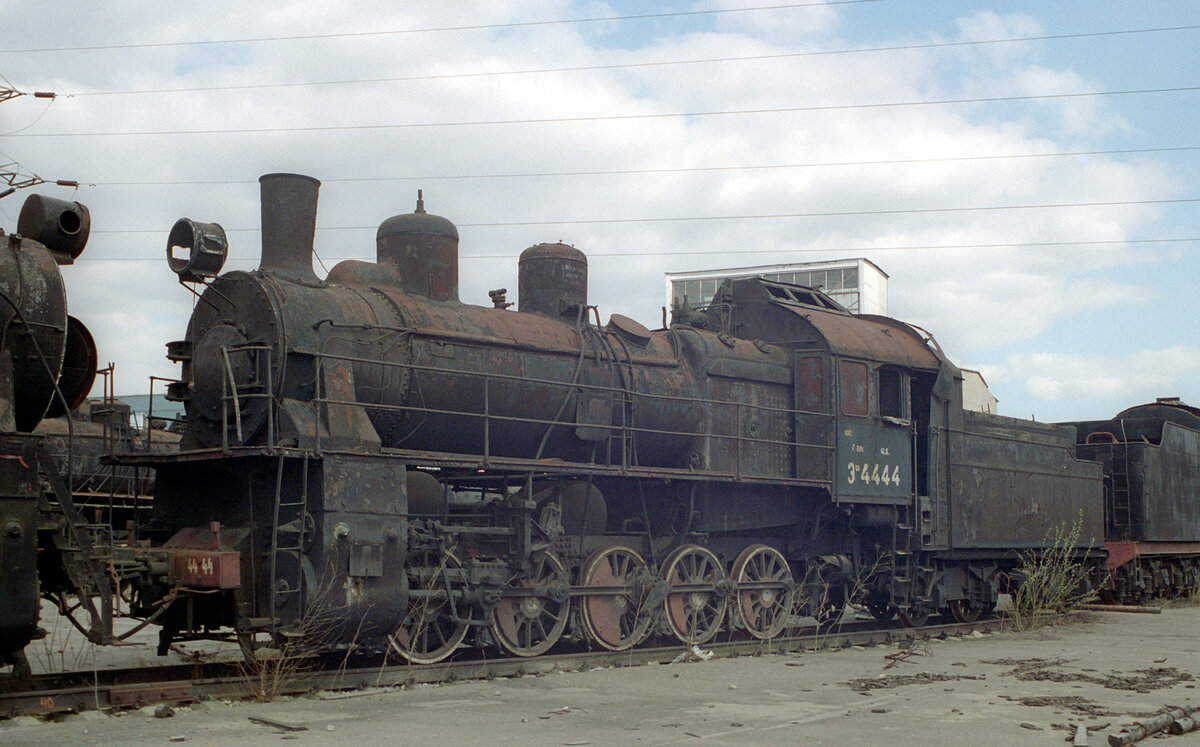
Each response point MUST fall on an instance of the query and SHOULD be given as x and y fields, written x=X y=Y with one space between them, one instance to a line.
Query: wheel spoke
x=529 y=625
x=615 y=621
x=765 y=606
x=694 y=616
x=426 y=635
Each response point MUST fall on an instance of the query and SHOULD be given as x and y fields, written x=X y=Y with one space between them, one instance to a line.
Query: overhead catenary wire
x=740 y=252
x=636 y=65
x=612 y=117
x=443 y=29
x=743 y=217
x=669 y=170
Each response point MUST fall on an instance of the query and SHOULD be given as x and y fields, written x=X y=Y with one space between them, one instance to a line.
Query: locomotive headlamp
x=62 y=226
x=196 y=251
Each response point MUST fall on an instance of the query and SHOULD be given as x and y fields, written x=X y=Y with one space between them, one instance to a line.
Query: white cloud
x=971 y=299
x=1108 y=382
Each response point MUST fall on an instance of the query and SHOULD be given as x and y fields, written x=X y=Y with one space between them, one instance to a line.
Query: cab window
x=853 y=388
x=891 y=399
x=812 y=386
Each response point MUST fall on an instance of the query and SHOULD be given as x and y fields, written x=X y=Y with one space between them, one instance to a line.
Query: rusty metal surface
x=34 y=316
x=206 y=569
x=1151 y=458
x=59 y=225
x=311 y=400
x=1013 y=483
x=423 y=248
x=19 y=492
x=1165 y=485
x=196 y=251
x=552 y=280
x=289 y=222
x=78 y=371
x=877 y=339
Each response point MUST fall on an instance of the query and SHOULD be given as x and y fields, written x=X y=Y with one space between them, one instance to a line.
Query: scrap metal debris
x=888 y=681
x=1076 y=704
x=1174 y=717
x=1049 y=670
x=277 y=724
x=918 y=647
x=695 y=653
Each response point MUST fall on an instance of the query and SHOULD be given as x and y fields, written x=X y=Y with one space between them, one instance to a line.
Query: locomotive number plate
x=206 y=569
x=875 y=462
x=873 y=474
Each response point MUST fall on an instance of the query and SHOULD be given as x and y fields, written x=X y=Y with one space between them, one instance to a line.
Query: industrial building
x=858 y=284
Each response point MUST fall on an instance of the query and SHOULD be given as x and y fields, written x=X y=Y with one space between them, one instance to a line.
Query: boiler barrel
x=492 y=381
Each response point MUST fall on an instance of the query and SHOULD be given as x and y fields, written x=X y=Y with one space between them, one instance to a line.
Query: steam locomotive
x=47 y=365
x=1151 y=460
x=371 y=463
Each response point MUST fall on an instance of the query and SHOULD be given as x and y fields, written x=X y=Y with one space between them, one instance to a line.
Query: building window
x=833 y=281
x=853 y=388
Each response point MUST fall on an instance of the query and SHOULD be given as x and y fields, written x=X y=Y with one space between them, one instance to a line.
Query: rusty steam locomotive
x=371 y=464
x=418 y=473
x=1151 y=460
x=47 y=365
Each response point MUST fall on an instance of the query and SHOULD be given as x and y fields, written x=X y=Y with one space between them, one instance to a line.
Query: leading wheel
x=613 y=611
x=532 y=615
x=914 y=616
x=696 y=604
x=963 y=611
x=765 y=592
x=427 y=634
x=881 y=609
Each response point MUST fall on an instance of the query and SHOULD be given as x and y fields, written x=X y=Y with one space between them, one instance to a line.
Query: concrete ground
x=1103 y=671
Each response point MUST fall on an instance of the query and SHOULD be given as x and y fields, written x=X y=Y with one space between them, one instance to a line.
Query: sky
x=1026 y=173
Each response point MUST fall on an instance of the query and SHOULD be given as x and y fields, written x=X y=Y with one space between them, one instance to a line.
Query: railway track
x=115 y=689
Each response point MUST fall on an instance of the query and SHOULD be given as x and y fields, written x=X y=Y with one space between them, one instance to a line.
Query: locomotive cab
x=864 y=387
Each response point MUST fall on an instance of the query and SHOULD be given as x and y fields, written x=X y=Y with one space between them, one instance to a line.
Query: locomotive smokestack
x=289 y=222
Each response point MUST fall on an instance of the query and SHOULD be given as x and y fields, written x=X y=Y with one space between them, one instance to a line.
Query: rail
x=61 y=692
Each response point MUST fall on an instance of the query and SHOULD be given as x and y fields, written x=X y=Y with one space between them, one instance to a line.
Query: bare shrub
x=1054 y=579
x=281 y=664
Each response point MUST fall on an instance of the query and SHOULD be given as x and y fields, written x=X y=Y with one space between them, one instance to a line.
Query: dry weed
x=1054 y=579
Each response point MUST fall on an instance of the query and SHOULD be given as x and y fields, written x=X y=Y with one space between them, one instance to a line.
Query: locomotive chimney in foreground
x=289 y=223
